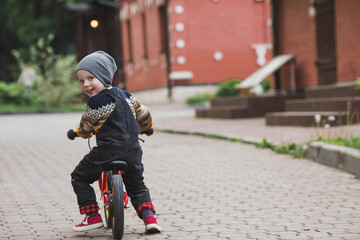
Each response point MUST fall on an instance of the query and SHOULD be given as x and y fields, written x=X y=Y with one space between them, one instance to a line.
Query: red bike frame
x=102 y=185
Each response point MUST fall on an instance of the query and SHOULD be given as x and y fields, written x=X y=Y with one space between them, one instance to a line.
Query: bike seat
x=116 y=166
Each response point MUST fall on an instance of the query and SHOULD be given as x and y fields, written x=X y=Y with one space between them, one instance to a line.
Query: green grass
x=12 y=108
x=295 y=150
x=351 y=142
x=210 y=136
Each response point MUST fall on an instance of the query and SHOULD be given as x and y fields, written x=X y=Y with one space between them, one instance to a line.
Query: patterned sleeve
x=98 y=109
x=140 y=112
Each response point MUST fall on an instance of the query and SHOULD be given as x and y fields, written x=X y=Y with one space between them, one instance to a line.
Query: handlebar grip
x=149 y=132
x=71 y=134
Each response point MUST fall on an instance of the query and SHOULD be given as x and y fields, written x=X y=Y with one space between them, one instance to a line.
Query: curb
x=344 y=158
x=248 y=140
x=347 y=159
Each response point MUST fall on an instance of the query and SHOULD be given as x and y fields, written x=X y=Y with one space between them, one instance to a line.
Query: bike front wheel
x=108 y=203
x=118 y=207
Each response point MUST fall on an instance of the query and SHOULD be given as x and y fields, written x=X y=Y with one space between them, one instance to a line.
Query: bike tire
x=118 y=207
x=108 y=207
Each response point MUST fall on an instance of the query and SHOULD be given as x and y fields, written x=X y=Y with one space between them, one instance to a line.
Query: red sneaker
x=89 y=223
x=151 y=225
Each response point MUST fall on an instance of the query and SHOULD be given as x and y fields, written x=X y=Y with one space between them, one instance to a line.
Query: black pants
x=89 y=170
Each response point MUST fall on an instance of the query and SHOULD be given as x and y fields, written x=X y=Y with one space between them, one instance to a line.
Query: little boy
x=116 y=118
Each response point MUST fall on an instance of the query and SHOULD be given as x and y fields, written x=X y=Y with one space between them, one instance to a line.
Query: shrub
x=227 y=89
x=58 y=86
x=266 y=85
x=13 y=93
x=199 y=98
x=357 y=83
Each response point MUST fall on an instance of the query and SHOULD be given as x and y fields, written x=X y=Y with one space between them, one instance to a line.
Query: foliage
x=199 y=98
x=265 y=144
x=357 y=83
x=349 y=141
x=295 y=150
x=16 y=108
x=211 y=136
x=227 y=88
x=13 y=93
x=56 y=85
x=266 y=85
x=40 y=53
x=20 y=21
x=27 y=21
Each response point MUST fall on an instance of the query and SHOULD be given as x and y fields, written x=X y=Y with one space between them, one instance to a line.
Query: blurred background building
x=324 y=37
x=172 y=49
x=176 y=48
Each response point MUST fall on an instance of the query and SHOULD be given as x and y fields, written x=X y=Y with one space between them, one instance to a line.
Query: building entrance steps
x=342 y=89
x=245 y=107
x=341 y=100
x=323 y=104
x=307 y=119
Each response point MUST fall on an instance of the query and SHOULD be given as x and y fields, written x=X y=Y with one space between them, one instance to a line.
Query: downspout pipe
x=167 y=49
x=119 y=34
x=274 y=5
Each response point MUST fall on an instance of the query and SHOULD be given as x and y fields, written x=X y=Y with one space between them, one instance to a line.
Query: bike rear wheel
x=117 y=206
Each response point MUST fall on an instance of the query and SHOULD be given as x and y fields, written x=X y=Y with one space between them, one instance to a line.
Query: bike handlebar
x=148 y=132
x=71 y=134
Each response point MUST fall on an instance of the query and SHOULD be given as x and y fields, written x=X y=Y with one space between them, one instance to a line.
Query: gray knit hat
x=101 y=65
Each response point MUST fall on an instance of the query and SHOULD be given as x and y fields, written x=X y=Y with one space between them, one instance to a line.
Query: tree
x=24 y=22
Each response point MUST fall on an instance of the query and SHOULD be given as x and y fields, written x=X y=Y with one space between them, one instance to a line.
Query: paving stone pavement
x=201 y=188
x=179 y=117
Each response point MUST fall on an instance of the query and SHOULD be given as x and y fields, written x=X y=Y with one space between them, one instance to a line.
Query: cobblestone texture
x=201 y=188
x=179 y=117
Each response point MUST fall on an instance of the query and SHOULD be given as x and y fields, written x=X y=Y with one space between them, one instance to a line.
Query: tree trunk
x=4 y=45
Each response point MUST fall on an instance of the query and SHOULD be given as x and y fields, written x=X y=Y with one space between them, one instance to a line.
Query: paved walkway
x=201 y=188
x=181 y=118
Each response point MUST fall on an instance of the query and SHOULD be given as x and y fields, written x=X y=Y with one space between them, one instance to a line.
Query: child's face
x=90 y=85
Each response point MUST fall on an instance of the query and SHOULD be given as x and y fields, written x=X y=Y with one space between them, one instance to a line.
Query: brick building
x=178 y=47
x=175 y=48
x=324 y=37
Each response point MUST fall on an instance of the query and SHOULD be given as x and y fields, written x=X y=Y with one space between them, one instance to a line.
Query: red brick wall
x=227 y=26
x=348 y=39
x=300 y=39
x=143 y=73
x=230 y=27
x=296 y=35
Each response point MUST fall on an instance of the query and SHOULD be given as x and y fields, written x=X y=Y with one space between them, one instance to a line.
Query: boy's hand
x=83 y=135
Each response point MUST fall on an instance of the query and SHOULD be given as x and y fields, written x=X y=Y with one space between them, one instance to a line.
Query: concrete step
x=249 y=106
x=307 y=119
x=343 y=89
x=324 y=104
x=228 y=101
x=223 y=112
